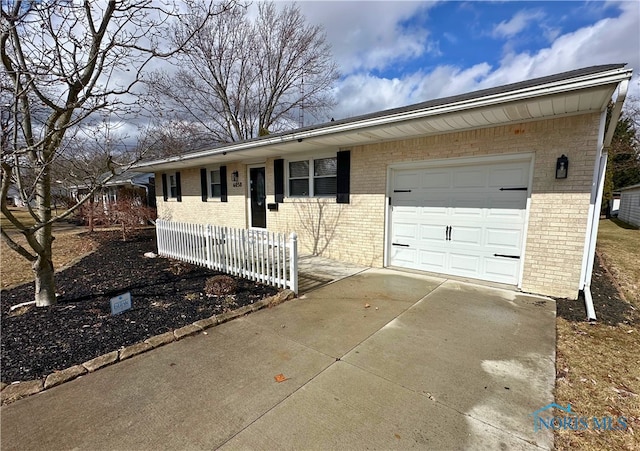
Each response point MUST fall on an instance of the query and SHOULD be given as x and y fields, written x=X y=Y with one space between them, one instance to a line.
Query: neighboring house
x=629 y=211
x=466 y=185
x=13 y=197
x=139 y=185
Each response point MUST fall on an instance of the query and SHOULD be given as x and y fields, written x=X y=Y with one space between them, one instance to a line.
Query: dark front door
x=258 y=198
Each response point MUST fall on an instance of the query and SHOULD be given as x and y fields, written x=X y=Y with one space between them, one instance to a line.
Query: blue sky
x=468 y=33
x=397 y=53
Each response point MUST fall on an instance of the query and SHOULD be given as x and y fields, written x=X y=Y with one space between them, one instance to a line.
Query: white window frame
x=172 y=185
x=310 y=177
x=210 y=183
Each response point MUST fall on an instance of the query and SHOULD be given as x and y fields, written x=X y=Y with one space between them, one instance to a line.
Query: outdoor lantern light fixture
x=562 y=167
x=234 y=176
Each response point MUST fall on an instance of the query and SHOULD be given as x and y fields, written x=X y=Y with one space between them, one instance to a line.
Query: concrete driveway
x=431 y=363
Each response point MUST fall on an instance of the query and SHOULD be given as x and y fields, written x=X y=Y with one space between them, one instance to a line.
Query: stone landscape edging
x=21 y=389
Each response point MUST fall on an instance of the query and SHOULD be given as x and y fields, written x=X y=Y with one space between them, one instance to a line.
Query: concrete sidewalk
x=431 y=363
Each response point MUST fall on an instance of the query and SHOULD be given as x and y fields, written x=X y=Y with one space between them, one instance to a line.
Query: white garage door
x=465 y=221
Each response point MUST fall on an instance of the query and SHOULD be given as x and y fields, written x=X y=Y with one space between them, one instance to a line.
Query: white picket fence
x=259 y=255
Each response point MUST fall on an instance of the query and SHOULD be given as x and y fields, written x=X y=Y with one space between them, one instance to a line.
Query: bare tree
x=623 y=165
x=240 y=78
x=172 y=138
x=65 y=62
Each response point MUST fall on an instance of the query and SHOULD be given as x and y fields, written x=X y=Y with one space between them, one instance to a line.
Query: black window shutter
x=165 y=188
x=278 y=176
x=343 y=176
x=178 y=188
x=204 y=189
x=223 y=184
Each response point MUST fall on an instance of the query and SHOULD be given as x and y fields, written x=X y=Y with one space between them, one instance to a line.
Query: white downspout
x=594 y=220
x=596 y=200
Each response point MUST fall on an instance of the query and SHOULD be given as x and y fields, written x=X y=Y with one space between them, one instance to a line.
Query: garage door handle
x=506 y=256
x=398 y=244
x=447 y=233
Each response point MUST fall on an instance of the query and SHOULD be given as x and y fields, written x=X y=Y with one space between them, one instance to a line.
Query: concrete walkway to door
x=431 y=363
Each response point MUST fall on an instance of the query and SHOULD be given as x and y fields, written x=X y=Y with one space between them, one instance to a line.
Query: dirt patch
x=166 y=295
x=610 y=307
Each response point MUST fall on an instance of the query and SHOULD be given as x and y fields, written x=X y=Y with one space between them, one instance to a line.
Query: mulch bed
x=610 y=308
x=166 y=295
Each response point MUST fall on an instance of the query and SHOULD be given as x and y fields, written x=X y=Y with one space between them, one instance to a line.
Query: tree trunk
x=45 y=284
x=43 y=266
x=90 y=208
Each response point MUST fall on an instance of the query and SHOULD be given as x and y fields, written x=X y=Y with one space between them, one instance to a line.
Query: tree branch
x=16 y=247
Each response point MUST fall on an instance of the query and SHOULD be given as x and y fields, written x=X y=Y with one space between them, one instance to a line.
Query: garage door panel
x=471 y=201
x=508 y=177
x=407 y=180
x=465 y=214
x=406 y=230
x=505 y=216
x=433 y=260
x=501 y=269
x=405 y=206
x=501 y=239
x=505 y=207
x=466 y=236
x=484 y=220
x=434 y=233
x=404 y=256
x=434 y=213
x=469 y=178
x=464 y=265
x=506 y=197
x=435 y=179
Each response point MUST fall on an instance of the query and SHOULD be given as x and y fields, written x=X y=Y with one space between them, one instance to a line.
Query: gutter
x=596 y=199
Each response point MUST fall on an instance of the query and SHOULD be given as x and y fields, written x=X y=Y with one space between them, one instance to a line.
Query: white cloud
x=361 y=93
x=612 y=40
x=607 y=41
x=549 y=32
x=518 y=23
x=446 y=81
x=367 y=35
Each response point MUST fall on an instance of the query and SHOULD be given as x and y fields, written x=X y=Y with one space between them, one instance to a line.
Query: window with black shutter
x=315 y=177
x=171 y=188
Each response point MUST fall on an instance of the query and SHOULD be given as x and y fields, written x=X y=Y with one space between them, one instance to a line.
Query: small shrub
x=220 y=285
x=179 y=268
